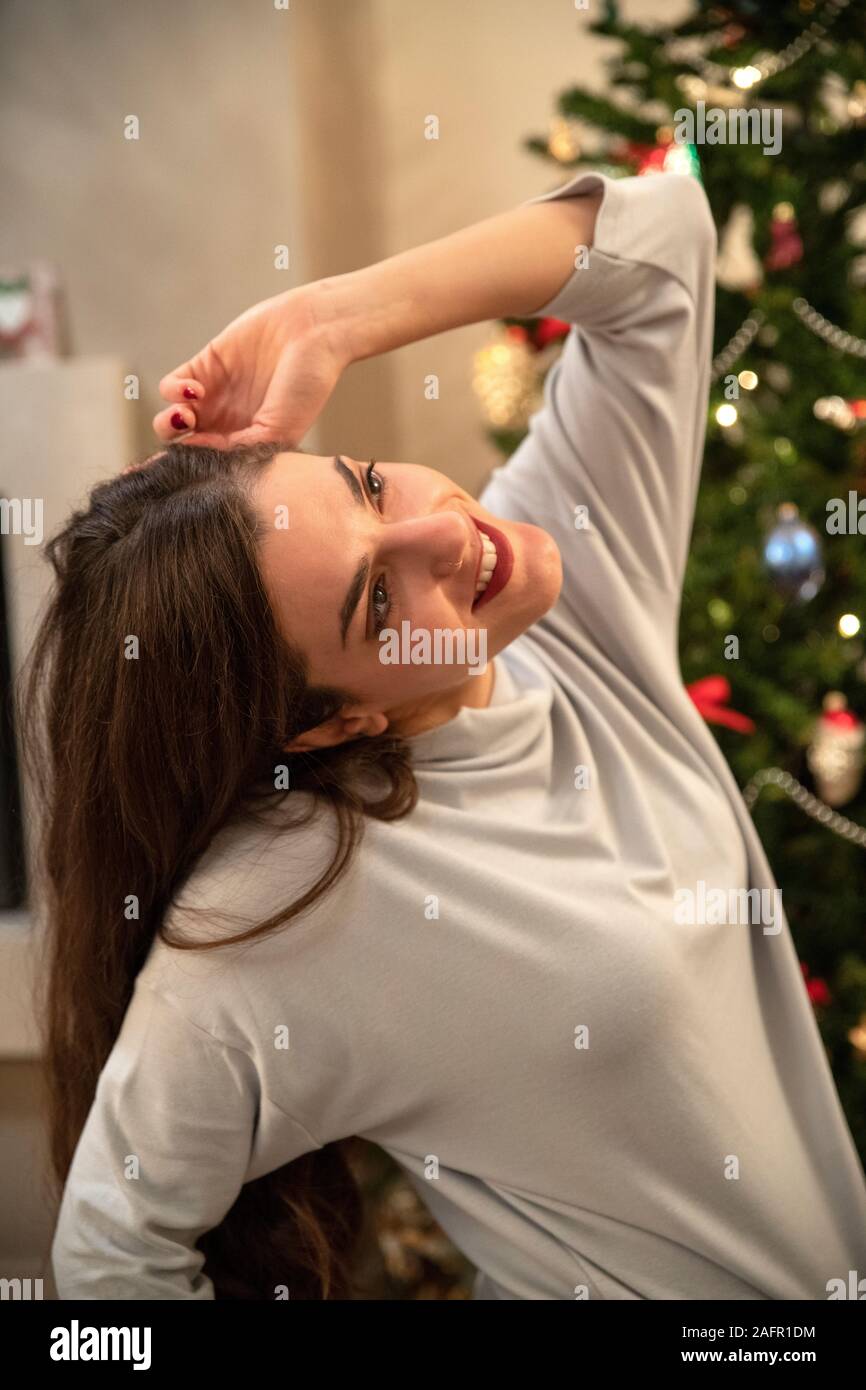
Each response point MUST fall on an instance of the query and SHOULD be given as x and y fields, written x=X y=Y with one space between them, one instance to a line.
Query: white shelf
x=64 y=426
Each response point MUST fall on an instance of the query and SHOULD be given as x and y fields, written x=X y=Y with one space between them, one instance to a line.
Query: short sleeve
x=167 y=1145
x=611 y=462
x=648 y=223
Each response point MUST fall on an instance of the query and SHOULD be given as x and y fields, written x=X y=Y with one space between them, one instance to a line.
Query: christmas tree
x=771 y=641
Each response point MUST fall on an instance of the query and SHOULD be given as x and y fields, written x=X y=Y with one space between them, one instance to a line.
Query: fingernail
x=178 y=422
x=190 y=394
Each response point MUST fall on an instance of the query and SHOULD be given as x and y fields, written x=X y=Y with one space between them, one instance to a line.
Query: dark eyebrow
x=359 y=581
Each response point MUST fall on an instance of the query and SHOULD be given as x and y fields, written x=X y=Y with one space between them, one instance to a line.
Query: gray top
x=595 y=1092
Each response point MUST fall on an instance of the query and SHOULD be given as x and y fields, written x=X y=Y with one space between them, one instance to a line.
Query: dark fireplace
x=12 y=870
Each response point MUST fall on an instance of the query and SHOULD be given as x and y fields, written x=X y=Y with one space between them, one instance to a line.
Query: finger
x=177 y=387
x=175 y=422
x=183 y=374
x=206 y=439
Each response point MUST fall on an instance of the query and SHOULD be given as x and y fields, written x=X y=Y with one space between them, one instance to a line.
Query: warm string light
x=563 y=141
x=505 y=379
x=747 y=77
x=845 y=415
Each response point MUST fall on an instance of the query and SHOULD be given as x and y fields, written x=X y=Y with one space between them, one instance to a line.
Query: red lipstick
x=504 y=563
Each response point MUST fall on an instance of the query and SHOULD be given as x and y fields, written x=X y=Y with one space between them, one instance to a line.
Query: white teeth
x=488 y=563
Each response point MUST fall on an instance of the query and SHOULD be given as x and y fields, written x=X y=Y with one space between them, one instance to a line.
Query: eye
x=381 y=602
x=381 y=606
x=375 y=482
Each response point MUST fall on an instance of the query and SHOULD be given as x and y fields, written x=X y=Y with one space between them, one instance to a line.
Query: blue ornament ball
x=793 y=555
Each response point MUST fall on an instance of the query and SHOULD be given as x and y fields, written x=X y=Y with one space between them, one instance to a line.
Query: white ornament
x=737 y=263
x=835 y=755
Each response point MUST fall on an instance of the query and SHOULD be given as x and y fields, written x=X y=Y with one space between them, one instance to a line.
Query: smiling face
x=369 y=549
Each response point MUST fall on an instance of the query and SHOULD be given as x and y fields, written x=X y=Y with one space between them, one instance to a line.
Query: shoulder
x=256 y=865
x=288 y=1008
x=254 y=869
x=693 y=208
x=660 y=220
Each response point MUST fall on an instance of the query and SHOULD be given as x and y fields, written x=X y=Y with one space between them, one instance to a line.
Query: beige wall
x=261 y=126
x=489 y=71
x=162 y=240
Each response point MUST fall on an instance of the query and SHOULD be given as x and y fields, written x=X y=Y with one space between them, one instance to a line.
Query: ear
x=339 y=729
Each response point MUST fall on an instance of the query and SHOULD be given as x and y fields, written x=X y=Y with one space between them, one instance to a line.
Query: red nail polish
x=190 y=394
x=178 y=422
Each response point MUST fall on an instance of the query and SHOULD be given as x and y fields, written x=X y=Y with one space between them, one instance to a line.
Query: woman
x=598 y=1094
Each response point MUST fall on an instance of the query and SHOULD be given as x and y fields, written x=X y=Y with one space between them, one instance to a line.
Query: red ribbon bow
x=710 y=695
x=817 y=989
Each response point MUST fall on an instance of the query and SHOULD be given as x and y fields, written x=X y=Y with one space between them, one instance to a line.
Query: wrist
x=363 y=313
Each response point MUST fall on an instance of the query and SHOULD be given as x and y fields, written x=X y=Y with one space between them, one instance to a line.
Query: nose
x=440 y=543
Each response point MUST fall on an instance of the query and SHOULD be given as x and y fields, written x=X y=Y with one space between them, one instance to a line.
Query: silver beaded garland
x=737 y=345
x=829 y=332
x=812 y=805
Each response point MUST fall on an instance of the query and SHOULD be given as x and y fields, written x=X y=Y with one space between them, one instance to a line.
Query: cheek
x=542 y=570
x=550 y=566
x=425 y=608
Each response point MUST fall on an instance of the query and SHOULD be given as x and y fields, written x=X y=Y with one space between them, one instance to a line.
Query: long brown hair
x=136 y=764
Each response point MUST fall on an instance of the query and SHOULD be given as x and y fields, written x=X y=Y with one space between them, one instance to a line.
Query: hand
x=266 y=376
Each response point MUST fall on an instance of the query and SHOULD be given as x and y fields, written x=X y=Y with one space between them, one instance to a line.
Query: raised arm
x=612 y=460
x=269 y=373
x=504 y=266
